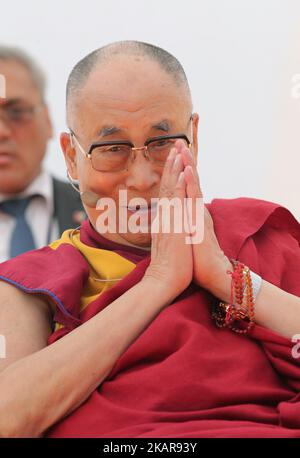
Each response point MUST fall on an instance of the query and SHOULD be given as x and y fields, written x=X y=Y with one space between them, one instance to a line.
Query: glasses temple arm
x=72 y=138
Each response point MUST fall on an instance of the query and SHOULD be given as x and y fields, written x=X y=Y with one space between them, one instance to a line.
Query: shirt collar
x=41 y=185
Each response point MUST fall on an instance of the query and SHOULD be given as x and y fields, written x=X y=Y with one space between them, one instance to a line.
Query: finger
x=164 y=182
x=171 y=183
x=181 y=181
x=195 y=206
x=192 y=181
x=180 y=144
x=169 y=162
x=180 y=187
x=171 y=173
x=179 y=191
x=187 y=156
x=176 y=170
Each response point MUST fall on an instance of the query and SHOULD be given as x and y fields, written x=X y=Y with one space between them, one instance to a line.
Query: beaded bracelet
x=240 y=309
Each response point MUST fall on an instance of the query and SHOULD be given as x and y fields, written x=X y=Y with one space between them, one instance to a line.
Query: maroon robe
x=183 y=376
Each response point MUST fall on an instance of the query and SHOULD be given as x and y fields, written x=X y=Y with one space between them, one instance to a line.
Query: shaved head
x=130 y=92
x=106 y=54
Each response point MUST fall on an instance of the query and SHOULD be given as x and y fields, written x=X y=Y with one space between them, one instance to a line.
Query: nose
x=141 y=176
x=5 y=131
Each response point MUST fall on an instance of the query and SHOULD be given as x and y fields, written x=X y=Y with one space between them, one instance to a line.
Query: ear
x=195 y=122
x=70 y=154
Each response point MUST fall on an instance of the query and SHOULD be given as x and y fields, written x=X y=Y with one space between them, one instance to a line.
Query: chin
x=142 y=240
x=11 y=184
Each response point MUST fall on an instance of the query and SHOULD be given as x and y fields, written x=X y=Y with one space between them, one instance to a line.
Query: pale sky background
x=239 y=56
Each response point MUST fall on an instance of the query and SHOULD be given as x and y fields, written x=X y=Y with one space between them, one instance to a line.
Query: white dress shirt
x=39 y=215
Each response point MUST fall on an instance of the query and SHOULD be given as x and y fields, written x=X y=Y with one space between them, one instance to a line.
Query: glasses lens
x=158 y=150
x=108 y=158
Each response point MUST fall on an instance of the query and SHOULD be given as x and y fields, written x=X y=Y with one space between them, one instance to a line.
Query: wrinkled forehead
x=18 y=81
x=129 y=90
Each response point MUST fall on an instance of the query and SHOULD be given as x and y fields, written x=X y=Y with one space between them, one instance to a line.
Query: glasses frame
x=127 y=143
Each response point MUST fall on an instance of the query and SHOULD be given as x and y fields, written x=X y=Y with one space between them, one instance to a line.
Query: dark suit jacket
x=68 y=209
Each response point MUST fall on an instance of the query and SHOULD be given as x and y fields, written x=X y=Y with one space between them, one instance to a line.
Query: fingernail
x=180 y=179
x=177 y=160
x=171 y=153
x=191 y=169
x=190 y=154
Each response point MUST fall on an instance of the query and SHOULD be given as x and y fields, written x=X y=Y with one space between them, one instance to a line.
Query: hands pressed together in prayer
x=175 y=264
x=209 y=261
x=173 y=261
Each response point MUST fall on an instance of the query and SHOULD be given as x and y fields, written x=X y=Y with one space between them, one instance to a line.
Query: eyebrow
x=108 y=130
x=105 y=131
x=10 y=102
x=163 y=125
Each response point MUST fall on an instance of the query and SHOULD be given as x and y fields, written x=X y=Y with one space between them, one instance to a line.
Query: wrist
x=220 y=286
x=157 y=289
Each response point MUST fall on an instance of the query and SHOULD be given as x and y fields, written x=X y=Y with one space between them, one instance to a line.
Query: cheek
x=31 y=143
x=103 y=184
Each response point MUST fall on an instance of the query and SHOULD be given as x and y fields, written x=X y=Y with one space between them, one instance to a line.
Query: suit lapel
x=67 y=206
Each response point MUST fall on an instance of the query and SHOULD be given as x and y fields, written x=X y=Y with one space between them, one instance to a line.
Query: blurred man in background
x=34 y=207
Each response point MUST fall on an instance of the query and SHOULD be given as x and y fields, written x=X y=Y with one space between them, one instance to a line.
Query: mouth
x=6 y=158
x=142 y=209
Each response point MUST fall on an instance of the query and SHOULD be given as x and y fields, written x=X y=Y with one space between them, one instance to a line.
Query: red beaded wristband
x=240 y=309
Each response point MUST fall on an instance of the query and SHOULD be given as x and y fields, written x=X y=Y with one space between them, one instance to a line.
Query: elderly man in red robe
x=141 y=334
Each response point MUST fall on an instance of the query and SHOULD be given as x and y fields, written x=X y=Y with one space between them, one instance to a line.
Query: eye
x=164 y=142
x=16 y=112
x=113 y=150
x=19 y=113
x=116 y=149
x=120 y=149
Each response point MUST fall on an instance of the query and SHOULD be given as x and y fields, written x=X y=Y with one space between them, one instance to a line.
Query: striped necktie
x=21 y=237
